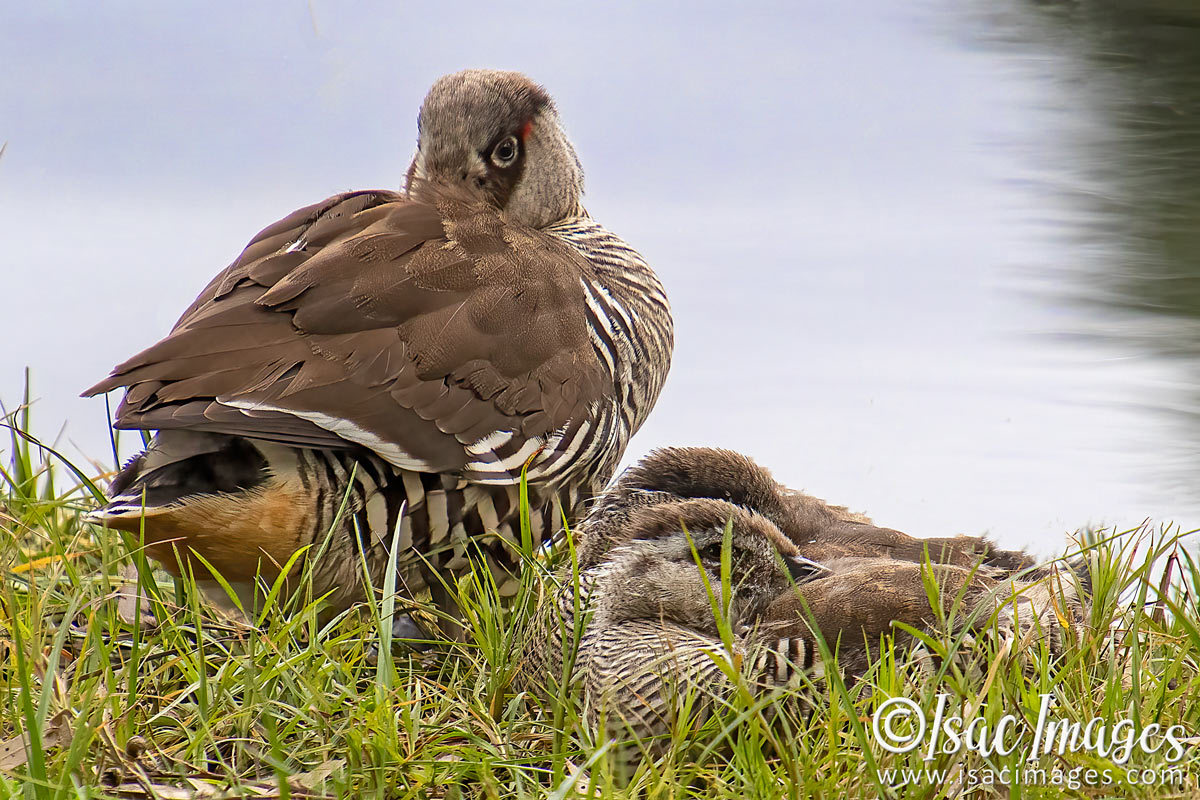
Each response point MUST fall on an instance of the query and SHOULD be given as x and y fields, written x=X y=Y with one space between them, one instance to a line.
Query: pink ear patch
x=525 y=129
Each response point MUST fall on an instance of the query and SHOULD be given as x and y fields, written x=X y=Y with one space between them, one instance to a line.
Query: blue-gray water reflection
x=1122 y=157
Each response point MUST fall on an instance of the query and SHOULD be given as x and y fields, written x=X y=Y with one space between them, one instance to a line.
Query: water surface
x=935 y=261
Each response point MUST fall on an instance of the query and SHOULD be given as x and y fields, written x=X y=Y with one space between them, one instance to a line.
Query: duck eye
x=505 y=153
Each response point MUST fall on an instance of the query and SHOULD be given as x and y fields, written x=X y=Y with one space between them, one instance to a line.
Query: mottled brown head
x=497 y=134
x=656 y=575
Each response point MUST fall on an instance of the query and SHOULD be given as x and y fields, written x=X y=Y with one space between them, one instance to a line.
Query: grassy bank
x=105 y=696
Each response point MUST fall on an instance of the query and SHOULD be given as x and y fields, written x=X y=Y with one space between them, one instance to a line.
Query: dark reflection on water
x=1127 y=162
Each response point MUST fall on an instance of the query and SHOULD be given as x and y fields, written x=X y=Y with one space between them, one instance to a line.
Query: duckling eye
x=711 y=552
x=505 y=153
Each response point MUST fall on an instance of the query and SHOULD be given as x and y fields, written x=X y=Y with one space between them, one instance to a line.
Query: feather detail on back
x=410 y=329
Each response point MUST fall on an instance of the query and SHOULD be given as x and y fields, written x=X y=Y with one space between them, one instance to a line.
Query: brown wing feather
x=428 y=326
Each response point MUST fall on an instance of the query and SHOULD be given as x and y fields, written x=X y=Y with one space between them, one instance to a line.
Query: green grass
x=199 y=704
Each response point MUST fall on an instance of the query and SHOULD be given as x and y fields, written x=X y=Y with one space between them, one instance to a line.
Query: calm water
x=1119 y=171
x=939 y=262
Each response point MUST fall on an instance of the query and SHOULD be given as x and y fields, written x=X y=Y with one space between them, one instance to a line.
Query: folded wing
x=434 y=334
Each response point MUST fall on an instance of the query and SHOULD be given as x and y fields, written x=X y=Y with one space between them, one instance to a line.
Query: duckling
x=873 y=574
x=654 y=629
x=641 y=626
x=821 y=531
x=858 y=601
